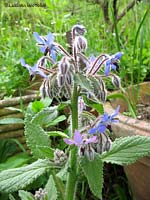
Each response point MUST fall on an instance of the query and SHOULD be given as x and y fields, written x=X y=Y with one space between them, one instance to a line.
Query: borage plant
x=78 y=82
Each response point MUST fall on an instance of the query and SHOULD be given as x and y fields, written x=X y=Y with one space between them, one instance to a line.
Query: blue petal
x=53 y=54
x=50 y=38
x=115 y=112
x=92 y=130
x=101 y=128
x=38 y=38
x=118 y=55
x=22 y=61
x=107 y=69
x=113 y=66
x=42 y=49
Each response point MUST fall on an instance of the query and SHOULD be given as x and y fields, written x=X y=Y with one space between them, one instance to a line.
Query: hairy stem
x=72 y=176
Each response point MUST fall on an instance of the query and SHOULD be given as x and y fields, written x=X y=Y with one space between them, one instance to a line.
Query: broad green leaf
x=36 y=137
x=37 y=106
x=15 y=161
x=56 y=121
x=57 y=133
x=93 y=171
x=24 y=195
x=46 y=151
x=14 y=179
x=96 y=105
x=51 y=189
x=11 y=121
x=82 y=81
x=45 y=116
x=46 y=101
x=126 y=150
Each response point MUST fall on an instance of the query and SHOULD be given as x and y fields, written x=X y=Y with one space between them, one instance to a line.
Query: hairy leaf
x=14 y=179
x=83 y=82
x=36 y=137
x=93 y=171
x=57 y=120
x=45 y=116
x=127 y=150
x=57 y=133
x=24 y=195
x=15 y=161
x=51 y=189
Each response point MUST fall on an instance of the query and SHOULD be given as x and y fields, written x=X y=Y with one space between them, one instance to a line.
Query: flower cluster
x=58 y=76
x=61 y=70
x=98 y=142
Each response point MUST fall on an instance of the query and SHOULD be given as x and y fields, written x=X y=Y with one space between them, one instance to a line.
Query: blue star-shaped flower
x=105 y=121
x=33 y=70
x=46 y=44
x=110 y=63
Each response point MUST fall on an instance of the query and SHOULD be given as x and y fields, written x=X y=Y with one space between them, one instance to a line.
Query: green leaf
x=93 y=171
x=11 y=121
x=96 y=105
x=126 y=150
x=56 y=121
x=123 y=97
x=37 y=106
x=57 y=133
x=82 y=81
x=63 y=173
x=15 y=161
x=51 y=189
x=24 y=195
x=47 y=152
x=36 y=137
x=45 y=116
x=14 y=179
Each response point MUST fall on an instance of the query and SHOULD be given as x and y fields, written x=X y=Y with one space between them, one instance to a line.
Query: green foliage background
x=18 y=23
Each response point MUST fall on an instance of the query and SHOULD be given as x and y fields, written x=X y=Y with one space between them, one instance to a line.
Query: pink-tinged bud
x=116 y=81
x=80 y=43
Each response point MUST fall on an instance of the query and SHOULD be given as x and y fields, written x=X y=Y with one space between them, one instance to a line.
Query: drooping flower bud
x=61 y=79
x=64 y=65
x=80 y=43
x=103 y=143
x=116 y=81
x=78 y=30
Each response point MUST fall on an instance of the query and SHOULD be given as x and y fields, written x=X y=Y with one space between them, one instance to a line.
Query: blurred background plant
x=119 y=25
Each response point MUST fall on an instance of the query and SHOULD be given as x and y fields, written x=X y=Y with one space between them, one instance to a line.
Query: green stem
x=72 y=176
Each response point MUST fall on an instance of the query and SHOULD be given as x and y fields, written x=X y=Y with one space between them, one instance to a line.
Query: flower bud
x=80 y=43
x=40 y=194
x=68 y=78
x=61 y=80
x=59 y=157
x=78 y=30
x=116 y=81
x=64 y=65
x=103 y=143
